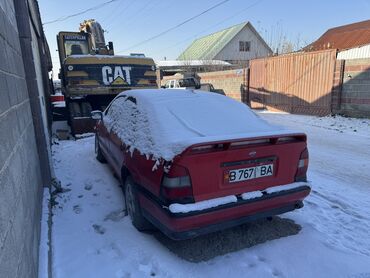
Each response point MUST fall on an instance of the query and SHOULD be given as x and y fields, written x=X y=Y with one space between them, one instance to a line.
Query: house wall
x=21 y=181
x=231 y=51
x=355 y=53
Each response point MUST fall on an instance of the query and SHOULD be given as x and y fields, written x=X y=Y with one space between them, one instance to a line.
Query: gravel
x=204 y=248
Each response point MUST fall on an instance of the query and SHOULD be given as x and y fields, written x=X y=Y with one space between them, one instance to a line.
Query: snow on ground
x=44 y=242
x=330 y=236
x=339 y=170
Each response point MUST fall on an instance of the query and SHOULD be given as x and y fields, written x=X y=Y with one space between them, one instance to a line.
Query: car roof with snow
x=171 y=120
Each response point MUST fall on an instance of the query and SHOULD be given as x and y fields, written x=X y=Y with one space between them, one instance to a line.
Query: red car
x=193 y=162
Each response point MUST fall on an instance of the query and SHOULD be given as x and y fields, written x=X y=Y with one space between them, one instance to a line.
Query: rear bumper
x=180 y=226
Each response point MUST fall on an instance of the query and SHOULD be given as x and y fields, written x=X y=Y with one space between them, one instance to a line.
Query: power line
x=117 y=14
x=110 y=14
x=212 y=26
x=129 y=21
x=63 y=18
x=111 y=26
x=176 y=26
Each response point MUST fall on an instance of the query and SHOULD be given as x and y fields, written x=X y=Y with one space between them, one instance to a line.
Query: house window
x=244 y=46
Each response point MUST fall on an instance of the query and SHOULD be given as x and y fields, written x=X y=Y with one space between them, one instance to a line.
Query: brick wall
x=20 y=174
x=355 y=89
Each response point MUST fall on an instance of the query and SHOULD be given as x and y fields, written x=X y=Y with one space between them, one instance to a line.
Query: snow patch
x=285 y=187
x=171 y=63
x=251 y=195
x=100 y=57
x=84 y=135
x=202 y=205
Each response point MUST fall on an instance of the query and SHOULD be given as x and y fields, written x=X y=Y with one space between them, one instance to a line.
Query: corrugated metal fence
x=295 y=83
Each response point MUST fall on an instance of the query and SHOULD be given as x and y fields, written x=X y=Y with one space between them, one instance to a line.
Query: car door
x=103 y=136
x=103 y=131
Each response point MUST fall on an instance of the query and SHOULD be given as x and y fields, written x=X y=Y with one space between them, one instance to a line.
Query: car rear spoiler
x=245 y=142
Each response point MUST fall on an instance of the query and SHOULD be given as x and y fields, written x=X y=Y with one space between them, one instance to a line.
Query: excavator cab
x=73 y=43
x=91 y=75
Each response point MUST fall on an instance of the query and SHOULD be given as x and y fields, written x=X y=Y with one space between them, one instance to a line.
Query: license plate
x=251 y=173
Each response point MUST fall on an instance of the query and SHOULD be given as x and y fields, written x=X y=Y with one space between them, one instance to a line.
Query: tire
x=74 y=109
x=133 y=206
x=86 y=109
x=98 y=153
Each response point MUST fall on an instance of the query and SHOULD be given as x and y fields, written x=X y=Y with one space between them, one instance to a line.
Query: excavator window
x=76 y=47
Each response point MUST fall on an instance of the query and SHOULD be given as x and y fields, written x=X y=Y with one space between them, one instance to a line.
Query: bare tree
x=278 y=40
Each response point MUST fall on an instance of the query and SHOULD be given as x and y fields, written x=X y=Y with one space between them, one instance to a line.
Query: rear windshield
x=205 y=114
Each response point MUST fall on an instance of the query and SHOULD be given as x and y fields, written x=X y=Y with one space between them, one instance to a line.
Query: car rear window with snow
x=163 y=123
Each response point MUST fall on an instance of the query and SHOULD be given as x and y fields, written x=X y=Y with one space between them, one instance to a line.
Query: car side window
x=122 y=115
x=129 y=121
x=105 y=112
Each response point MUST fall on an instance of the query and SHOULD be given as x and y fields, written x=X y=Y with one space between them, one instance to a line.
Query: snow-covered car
x=194 y=162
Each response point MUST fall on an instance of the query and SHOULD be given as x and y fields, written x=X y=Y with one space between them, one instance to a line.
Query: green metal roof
x=206 y=48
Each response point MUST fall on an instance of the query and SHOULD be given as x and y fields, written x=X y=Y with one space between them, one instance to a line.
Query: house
x=237 y=45
x=352 y=41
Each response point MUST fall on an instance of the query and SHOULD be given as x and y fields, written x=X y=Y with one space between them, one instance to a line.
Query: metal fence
x=297 y=83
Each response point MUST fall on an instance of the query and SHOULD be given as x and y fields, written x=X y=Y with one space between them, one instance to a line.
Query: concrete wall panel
x=20 y=174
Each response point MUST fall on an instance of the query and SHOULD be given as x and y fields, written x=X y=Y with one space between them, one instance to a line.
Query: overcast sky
x=129 y=22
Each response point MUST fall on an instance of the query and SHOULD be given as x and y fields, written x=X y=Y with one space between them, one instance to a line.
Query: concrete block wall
x=355 y=91
x=233 y=82
x=20 y=173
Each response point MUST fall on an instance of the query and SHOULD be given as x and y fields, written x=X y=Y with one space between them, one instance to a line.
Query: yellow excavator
x=91 y=75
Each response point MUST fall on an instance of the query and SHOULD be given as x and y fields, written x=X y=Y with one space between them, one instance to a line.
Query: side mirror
x=97 y=115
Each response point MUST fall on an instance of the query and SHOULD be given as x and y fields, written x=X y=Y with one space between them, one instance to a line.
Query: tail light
x=302 y=166
x=176 y=185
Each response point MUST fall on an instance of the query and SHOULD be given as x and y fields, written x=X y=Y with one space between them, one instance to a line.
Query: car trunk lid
x=234 y=167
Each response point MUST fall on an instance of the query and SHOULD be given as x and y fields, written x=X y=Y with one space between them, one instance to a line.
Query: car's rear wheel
x=133 y=206
x=98 y=153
